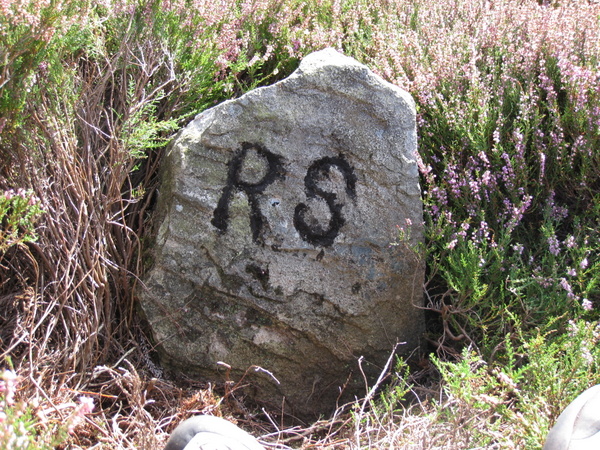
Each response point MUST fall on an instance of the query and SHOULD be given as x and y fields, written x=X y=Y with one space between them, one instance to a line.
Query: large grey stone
x=276 y=213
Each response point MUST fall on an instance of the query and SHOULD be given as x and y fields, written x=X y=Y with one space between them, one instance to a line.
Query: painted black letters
x=319 y=170
x=235 y=181
x=318 y=173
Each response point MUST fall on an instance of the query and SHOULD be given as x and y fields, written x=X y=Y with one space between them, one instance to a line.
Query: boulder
x=277 y=247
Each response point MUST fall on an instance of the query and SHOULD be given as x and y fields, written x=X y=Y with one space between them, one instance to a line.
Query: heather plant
x=27 y=29
x=18 y=213
x=506 y=150
x=514 y=401
x=23 y=428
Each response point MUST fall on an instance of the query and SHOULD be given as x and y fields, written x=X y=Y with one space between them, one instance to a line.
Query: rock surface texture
x=276 y=213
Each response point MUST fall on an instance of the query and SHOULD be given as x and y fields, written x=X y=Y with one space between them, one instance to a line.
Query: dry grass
x=67 y=319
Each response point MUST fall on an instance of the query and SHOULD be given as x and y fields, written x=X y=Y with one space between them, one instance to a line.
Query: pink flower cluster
x=33 y=15
x=8 y=387
x=83 y=408
x=23 y=194
x=13 y=433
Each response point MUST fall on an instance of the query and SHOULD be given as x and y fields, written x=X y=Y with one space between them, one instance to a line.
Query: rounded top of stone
x=328 y=57
x=332 y=70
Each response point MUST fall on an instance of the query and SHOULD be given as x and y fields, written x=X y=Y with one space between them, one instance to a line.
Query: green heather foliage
x=18 y=213
x=508 y=102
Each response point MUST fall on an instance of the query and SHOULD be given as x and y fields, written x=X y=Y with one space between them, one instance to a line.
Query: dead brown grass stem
x=67 y=299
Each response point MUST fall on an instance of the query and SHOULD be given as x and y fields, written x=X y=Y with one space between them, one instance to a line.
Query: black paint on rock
x=274 y=172
x=319 y=170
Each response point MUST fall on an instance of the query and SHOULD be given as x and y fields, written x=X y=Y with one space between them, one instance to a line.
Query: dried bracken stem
x=69 y=304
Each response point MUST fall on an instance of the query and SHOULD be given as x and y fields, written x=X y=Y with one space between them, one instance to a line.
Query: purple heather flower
x=496 y=136
x=567 y=287
x=518 y=248
x=554 y=245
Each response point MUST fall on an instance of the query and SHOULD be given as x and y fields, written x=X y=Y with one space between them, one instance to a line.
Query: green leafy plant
x=512 y=398
x=19 y=212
